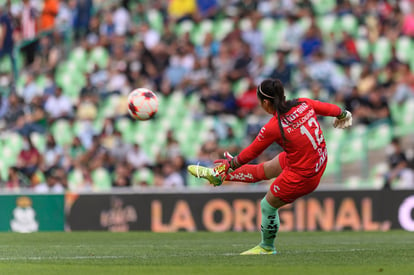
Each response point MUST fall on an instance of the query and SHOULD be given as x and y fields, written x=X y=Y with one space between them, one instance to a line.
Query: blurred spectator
x=28 y=21
x=254 y=36
x=209 y=48
x=180 y=10
x=121 y=19
x=34 y=119
x=408 y=22
x=207 y=8
x=149 y=36
x=201 y=74
x=374 y=108
x=58 y=105
x=53 y=154
x=180 y=165
x=311 y=42
x=222 y=101
x=346 y=51
x=16 y=180
x=283 y=70
x=29 y=158
x=404 y=88
x=223 y=62
x=181 y=63
x=66 y=15
x=399 y=169
x=247 y=101
x=6 y=38
x=294 y=31
x=325 y=72
x=122 y=176
x=30 y=89
x=53 y=183
x=172 y=178
x=243 y=58
x=48 y=54
x=83 y=15
x=15 y=112
x=137 y=158
x=48 y=15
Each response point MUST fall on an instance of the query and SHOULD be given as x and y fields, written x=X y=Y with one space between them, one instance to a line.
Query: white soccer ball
x=142 y=104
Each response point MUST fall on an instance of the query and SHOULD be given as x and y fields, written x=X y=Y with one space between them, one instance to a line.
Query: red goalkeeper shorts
x=289 y=185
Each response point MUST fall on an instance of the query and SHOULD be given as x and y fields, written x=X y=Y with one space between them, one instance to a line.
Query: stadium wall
x=239 y=211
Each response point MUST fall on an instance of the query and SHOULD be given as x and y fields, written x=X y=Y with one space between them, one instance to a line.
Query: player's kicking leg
x=246 y=173
x=206 y=173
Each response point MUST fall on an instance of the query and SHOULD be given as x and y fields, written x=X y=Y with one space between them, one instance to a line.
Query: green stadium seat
x=143 y=175
x=379 y=136
x=62 y=132
x=4 y=170
x=99 y=56
x=355 y=149
x=199 y=32
x=404 y=48
x=240 y=86
x=39 y=141
x=363 y=47
x=405 y=123
x=78 y=57
x=184 y=27
x=75 y=179
x=382 y=51
x=101 y=179
x=349 y=24
x=222 y=27
x=13 y=142
x=327 y=23
x=268 y=27
x=323 y=6
x=155 y=20
x=9 y=156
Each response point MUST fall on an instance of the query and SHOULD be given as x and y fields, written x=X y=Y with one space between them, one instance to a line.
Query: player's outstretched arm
x=344 y=120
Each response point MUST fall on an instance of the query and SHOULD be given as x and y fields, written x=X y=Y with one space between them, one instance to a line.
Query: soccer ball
x=142 y=104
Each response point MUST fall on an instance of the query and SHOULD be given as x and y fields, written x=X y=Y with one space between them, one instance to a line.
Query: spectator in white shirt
x=137 y=158
x=150 y=37
x=58 y=105
x=121 y=19
x=172 y=177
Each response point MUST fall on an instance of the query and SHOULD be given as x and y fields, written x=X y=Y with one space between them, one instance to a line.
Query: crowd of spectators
x=160 y=55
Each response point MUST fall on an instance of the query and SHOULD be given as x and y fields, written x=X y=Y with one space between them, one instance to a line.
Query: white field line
x=57 y=258
x=62 y=258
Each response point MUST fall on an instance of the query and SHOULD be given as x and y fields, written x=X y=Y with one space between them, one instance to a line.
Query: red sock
x=248 y=173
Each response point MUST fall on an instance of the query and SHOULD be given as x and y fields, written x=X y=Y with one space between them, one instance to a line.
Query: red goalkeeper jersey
x=304 y=144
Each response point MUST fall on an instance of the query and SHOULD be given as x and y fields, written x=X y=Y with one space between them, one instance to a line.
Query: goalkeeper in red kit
x=298 y=169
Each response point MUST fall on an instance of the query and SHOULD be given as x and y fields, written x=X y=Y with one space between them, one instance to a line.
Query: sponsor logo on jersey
x=240 y=176
x=261 y=136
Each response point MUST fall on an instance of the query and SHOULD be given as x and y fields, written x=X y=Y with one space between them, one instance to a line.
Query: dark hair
x=272 y=90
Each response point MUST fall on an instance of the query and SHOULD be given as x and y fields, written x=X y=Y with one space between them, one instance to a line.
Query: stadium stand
x=349 y=52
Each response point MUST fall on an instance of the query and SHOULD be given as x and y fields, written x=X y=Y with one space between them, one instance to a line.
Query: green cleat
x=258 y=250
x=205 y=173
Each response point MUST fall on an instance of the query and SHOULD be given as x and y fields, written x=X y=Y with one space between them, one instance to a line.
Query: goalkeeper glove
x=226 y=165
x=344 y=120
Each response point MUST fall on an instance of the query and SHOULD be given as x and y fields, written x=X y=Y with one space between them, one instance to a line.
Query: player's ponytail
x=273 y=91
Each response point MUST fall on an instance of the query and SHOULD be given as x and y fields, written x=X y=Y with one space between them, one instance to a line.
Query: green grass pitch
x=206 y=253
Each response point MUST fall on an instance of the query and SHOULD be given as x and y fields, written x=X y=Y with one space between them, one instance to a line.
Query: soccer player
x=298 y=169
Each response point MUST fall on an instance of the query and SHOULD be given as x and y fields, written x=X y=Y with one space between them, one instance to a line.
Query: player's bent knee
x=272 y=168
x=276 y=202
